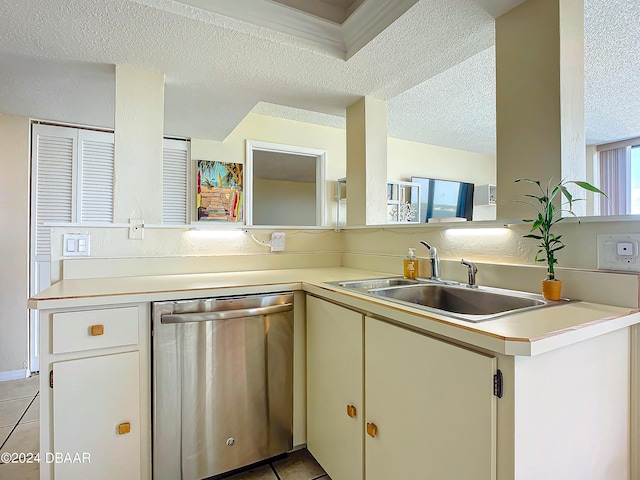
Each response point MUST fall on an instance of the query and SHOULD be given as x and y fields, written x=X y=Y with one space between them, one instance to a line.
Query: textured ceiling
x=435 y=66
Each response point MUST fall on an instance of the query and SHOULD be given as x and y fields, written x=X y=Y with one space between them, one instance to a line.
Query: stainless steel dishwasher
x=222 y=383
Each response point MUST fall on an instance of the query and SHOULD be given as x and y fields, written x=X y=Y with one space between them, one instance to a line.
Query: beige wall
x=206 y=150
x=367 y=162
x=492 y=245
x=418 y=159
x=264 y=128
x=277 y=202
x=407 y=159
x=527 y=99
x=139 y=126
x=14 y=244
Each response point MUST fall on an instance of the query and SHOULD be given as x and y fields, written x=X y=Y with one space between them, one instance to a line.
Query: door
x=334 y=382
x=93 y=401
x=432 y=404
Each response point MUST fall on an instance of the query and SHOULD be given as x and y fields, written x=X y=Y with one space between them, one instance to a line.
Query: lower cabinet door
x=96 y=412
x=335 y=409
x=431 y=412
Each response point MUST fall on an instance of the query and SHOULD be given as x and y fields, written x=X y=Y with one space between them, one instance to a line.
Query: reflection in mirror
x=617 y=173
x=445 y=199
x=284 y=185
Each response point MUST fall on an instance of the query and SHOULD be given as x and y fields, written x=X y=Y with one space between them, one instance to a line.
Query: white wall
x=14 y=243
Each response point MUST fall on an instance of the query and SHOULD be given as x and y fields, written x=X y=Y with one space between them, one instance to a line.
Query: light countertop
x=527 y=333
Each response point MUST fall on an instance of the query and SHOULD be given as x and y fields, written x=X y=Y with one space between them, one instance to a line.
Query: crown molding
x=371 y=19
x=342 y=41
x=280 y=18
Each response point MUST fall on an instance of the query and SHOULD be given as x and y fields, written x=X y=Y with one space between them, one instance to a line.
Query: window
x=618 y=174
x=635 y=180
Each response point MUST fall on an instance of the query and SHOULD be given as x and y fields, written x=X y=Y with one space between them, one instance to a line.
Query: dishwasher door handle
x=224 y=314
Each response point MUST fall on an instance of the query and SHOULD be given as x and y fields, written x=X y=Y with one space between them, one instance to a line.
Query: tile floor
x=19 y=433
x=19 y=426
x=298 y=465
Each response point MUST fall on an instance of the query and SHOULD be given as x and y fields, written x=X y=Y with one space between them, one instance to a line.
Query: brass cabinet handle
x=372 y=429
x=124 y=428
x=351 y=411
x=97 y=330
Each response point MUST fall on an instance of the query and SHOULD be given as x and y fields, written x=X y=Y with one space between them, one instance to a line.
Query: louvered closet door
x=72 y=182
x=96 y=177
x=54 y=152
x=175 y=178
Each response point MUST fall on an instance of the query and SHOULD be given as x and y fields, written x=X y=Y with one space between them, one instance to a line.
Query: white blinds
x=55 y=153
x=96 y=200
x=175 y=181
x=615 y=181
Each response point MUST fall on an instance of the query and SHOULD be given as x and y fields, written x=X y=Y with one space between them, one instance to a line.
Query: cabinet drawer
x=91 y=329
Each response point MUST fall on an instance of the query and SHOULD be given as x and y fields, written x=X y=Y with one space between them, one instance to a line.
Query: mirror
x=284 y=185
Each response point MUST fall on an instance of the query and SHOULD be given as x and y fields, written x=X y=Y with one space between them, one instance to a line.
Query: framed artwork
x=219 y=191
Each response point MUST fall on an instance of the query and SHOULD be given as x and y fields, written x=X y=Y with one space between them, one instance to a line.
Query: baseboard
x=13 y=375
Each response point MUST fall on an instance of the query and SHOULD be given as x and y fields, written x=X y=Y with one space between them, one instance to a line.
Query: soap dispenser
x=411 y=265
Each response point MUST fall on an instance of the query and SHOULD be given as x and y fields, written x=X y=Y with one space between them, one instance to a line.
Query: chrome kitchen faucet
x=435 y=261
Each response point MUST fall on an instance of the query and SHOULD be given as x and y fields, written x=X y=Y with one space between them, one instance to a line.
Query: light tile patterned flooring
x=298 y=465
x=19 y=433
x=19 y=426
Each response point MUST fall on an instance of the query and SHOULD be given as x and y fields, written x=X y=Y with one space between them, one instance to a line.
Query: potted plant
x=549 y=207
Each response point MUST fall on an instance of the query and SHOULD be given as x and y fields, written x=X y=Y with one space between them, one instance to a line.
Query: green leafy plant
x=549 y=207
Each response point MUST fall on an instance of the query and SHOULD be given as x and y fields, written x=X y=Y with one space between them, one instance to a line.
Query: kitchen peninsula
x=563 y=398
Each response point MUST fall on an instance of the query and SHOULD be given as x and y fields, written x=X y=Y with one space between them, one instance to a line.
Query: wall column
x=367 y=162
x=539 y=98
x=139 y=129
x=14 y=245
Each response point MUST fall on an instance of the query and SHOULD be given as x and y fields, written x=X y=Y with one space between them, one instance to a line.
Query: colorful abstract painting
x=219 y=191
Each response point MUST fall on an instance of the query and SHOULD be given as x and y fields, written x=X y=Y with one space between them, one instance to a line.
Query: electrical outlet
x=136 y=229
x=277 y=241
x=619 y=252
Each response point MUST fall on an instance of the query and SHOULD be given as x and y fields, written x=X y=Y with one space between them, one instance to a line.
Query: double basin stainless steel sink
x=450 y=298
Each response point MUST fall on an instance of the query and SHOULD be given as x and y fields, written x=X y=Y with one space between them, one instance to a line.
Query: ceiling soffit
x=336 y=11
x=343 y=41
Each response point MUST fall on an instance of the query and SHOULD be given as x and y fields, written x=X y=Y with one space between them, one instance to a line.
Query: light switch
x=75 y=245
x=277 y=241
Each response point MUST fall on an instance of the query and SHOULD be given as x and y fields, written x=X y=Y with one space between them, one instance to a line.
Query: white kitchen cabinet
x=432 y=404
x=96 y=417
x=428 y=409
x=334 y=388
x=95 y=396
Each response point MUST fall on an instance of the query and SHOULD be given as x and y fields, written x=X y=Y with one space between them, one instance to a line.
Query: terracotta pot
x=551 y=289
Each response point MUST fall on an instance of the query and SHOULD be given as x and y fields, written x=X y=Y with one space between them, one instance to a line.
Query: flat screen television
x=444 y=198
